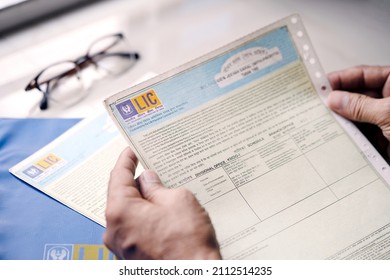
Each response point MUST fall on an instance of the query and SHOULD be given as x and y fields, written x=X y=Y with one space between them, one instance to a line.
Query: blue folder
x=32 y=224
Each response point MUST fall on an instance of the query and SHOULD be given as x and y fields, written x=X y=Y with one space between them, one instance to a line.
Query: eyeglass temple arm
x=129 y=55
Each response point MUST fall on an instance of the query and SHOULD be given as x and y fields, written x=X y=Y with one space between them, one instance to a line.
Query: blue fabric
x=30 y=220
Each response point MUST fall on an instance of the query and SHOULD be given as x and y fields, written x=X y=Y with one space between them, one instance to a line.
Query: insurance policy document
x=245 y=129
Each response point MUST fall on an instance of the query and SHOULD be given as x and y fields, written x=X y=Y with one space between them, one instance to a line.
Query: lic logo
x=32 y=172
x=126 y=109
x=146 y=102
x=42 y=165
x=58 y=252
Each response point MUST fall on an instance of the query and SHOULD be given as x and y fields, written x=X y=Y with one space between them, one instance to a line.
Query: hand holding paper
x=370 y=83
x=152 y=222
x=363 y=94
x=245 y=129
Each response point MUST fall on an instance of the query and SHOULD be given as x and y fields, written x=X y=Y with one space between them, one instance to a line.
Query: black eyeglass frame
x=80 y=63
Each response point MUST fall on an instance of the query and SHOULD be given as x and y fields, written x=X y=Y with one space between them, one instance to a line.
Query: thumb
x=357 y=107
x=151 y=186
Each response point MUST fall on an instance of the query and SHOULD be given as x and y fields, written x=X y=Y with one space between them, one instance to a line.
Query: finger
x=361 y=78
x=151 y=186
x=359 y=107
x=122 y=184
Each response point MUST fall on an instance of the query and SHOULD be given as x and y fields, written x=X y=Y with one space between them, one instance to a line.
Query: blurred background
x=166 y=34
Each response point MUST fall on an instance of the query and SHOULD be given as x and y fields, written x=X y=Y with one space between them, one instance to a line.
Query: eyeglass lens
x=65 y=83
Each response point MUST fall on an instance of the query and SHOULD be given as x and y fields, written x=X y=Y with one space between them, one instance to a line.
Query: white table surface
x=168 y=33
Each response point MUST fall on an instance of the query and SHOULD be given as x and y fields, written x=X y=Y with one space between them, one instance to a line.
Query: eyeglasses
x=65 y=83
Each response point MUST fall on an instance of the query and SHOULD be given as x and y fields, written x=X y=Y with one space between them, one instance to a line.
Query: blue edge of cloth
x=31 y=221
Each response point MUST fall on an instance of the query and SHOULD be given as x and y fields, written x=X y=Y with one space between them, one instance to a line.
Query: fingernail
x=150 y=176
x=338 y=100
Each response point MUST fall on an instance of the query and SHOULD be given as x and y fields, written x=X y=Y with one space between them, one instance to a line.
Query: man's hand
x=362 y=94
x=148 y=221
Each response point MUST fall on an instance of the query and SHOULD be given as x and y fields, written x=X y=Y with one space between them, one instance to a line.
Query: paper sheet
x=75 y=168
x=246 y=130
